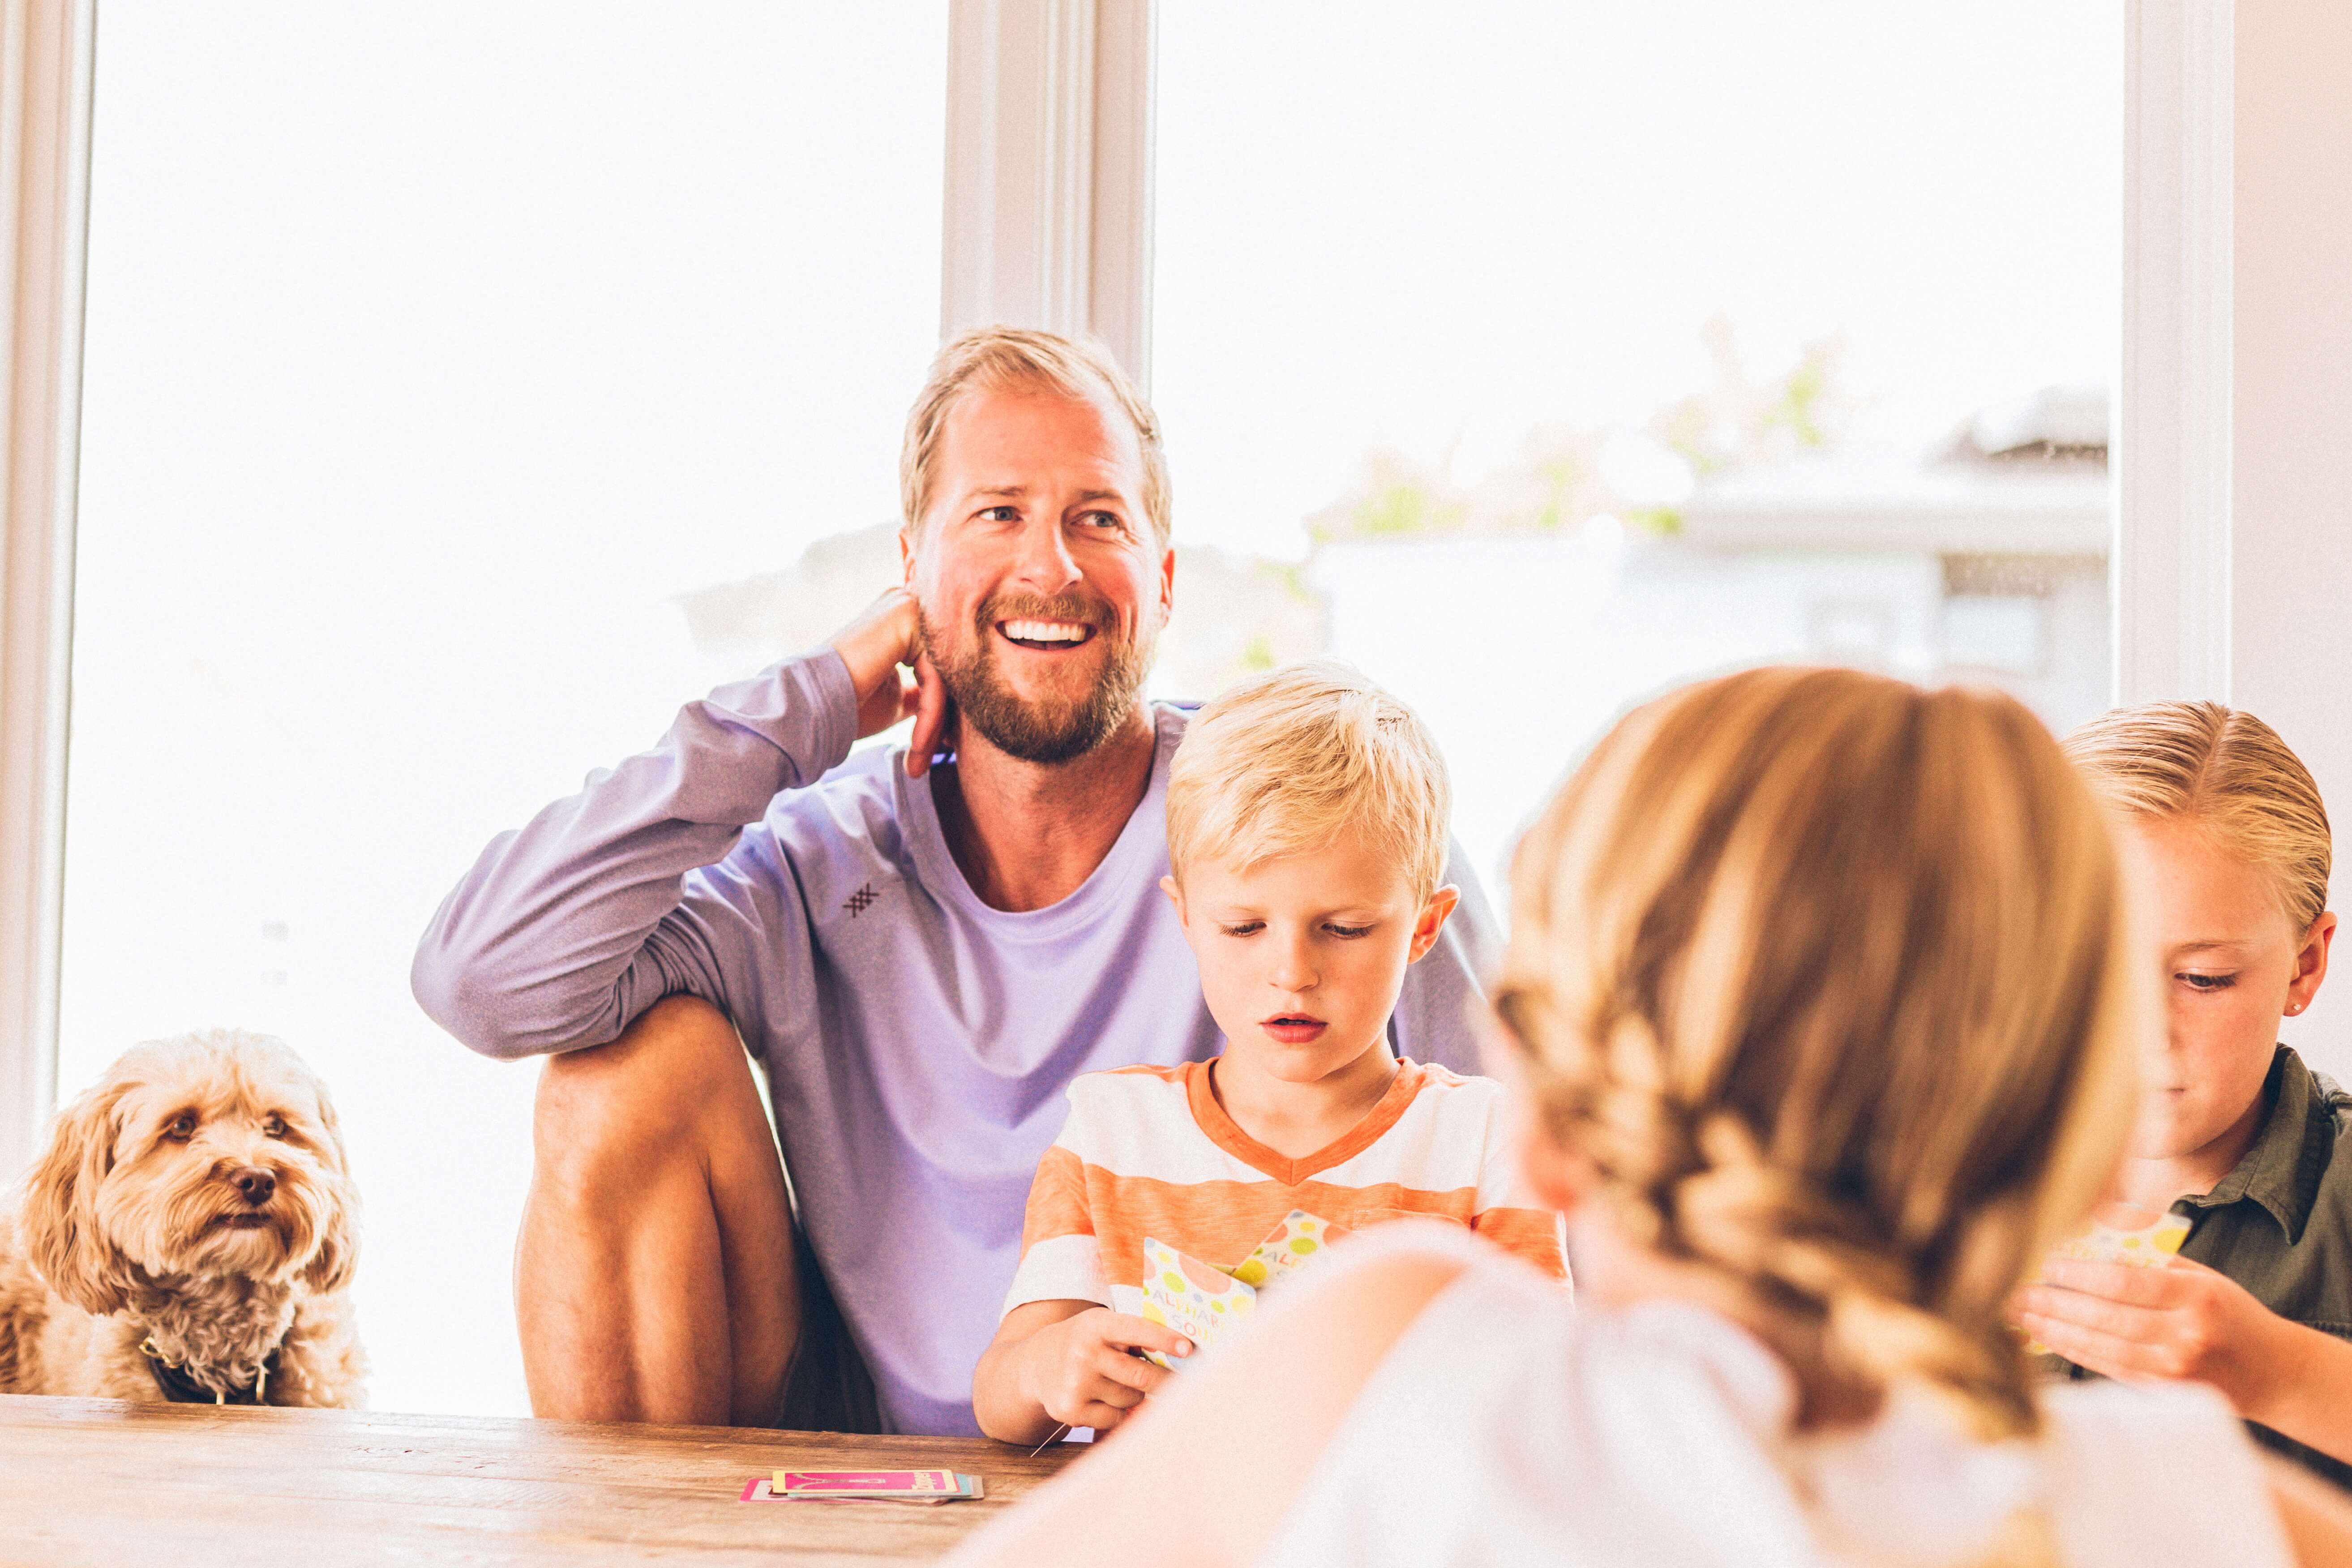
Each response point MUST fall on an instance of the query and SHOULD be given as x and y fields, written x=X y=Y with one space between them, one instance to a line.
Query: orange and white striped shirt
x=1148 y=1151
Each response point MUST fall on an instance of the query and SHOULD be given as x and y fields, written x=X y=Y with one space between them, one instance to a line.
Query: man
x=920 y=956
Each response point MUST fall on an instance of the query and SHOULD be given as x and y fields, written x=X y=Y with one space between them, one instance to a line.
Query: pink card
x=865 y=1483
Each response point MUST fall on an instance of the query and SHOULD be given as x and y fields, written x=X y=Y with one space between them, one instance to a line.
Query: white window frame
x=1048 y=219
x=2170 y=563
x=45 y=49
x=1048 y=223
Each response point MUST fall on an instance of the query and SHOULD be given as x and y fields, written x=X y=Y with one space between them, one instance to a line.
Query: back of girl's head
x=1825 y=975
x=2225 y=771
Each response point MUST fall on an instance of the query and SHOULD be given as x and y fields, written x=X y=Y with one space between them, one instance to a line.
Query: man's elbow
x=482 y=1011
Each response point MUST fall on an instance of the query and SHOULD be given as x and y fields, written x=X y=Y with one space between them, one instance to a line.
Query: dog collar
x=182 y=1389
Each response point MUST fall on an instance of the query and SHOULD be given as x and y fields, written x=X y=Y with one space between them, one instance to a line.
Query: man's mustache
x=1075 y=608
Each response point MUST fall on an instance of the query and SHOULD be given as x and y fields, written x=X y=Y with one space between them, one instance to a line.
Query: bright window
x=467 y=386
x=437 y=355
x=1577 y=349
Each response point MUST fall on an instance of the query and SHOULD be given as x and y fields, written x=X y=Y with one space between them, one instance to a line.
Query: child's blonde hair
x=2227 y=772
x=1826 y=977
x=1287 y=760
x=994 y=359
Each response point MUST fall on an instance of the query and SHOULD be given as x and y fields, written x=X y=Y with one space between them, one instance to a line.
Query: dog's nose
x=255 y=1183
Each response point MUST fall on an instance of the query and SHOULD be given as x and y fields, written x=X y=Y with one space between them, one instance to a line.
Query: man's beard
x=1055 y=730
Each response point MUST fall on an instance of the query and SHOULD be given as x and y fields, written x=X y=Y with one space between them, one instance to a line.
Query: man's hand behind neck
x=1028 y=835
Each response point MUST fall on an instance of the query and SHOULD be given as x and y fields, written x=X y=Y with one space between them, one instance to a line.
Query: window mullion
x=2171 y=552
x=1047 y=213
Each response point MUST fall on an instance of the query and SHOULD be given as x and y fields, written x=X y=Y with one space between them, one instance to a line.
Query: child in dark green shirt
x=2231 y=850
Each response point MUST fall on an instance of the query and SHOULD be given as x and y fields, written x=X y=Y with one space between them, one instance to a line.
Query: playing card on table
x=862 y=1486
x=864 y=1482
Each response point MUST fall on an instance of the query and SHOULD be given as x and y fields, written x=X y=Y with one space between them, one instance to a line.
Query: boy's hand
x=2182 y=1321
x=1080 y=1372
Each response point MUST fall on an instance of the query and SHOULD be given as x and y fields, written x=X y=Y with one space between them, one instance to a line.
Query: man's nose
x=255 y=1183
x=1046 y=563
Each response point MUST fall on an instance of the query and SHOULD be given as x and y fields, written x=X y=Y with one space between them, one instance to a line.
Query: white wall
x=2292 y=472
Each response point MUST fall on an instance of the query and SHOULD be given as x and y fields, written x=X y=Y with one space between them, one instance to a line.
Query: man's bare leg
x=653 y=1276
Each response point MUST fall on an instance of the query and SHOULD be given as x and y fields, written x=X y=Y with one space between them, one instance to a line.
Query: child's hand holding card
x=1201 y=1300
x=2118 y=1232
x=1196 y=1298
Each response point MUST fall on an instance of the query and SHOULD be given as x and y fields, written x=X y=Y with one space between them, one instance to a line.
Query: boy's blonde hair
x=994 y=359
x=1826 y=977
x=1287 y=760
x=2227 y=772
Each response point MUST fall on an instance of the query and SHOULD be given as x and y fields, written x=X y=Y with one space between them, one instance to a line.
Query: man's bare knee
x=614 y=1109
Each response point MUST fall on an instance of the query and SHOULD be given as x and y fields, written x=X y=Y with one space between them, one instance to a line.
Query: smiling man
x=920 y=952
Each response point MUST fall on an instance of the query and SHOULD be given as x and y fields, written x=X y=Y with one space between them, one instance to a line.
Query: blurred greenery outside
x=1562 y=475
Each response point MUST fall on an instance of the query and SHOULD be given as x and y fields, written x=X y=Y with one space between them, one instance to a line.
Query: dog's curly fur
x=133 y=1226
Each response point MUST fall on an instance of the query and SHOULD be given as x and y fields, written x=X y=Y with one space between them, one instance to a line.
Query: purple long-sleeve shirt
x=916 y=1041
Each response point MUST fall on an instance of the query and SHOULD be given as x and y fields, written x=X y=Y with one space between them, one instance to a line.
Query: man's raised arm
x=568 y=928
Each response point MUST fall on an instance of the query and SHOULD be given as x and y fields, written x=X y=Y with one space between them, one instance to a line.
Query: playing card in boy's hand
x=1196 y=1298
x=2118 y=1232
x=1297 y=1242
x=2139 y=1238
x=1201 y=1300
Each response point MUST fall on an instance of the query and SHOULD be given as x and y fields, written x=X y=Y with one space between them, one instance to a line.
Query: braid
x=1825 y=1293
x=1839 y=1302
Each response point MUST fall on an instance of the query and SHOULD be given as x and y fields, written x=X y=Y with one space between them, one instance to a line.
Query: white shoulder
x=1118 y=1090
x=2144 y=1476
x=1131 y=1120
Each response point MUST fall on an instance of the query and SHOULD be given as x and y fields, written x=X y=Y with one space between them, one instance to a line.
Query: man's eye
x=183 y=1127
x=2208 y=981
x=273 y=1126
x=1001 y=514
x=1104 y=520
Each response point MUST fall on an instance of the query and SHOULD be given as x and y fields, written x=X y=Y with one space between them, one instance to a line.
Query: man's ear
x=66 y=1244
x=1168 y=582
x=907 y=556
x=1434 y=915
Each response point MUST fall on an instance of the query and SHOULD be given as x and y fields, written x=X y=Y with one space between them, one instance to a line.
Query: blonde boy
x=1306 y=822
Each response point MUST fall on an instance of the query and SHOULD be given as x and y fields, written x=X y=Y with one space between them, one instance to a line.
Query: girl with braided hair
x=1823 y=1010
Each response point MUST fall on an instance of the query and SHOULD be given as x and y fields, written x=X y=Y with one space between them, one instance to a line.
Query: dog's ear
x=329 y=1268
x=62 y=1236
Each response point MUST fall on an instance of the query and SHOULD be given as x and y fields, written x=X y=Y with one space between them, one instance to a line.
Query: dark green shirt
x=2280 y=1223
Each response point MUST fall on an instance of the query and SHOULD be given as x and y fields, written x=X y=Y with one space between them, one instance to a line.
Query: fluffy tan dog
x=189 y=1235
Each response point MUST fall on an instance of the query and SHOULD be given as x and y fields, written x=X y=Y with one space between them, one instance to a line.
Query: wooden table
x=109 y=1484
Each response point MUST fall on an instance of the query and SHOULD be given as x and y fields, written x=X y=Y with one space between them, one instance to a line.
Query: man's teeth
x=1045 y=631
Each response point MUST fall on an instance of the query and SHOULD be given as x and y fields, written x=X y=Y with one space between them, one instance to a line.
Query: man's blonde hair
x=1289 y=761
x=1828 y=978
x=996 y=358
x=2228 y=772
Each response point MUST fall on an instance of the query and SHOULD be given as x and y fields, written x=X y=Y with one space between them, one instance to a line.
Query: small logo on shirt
x=858 y=902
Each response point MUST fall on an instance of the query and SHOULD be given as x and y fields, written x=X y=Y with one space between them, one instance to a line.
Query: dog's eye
x=183 y=1127
x=273 y=1125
